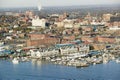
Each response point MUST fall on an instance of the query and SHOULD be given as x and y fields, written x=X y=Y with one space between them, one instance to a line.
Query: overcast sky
x=28 y=3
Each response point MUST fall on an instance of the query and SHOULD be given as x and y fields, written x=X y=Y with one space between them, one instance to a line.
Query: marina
x=78 y=55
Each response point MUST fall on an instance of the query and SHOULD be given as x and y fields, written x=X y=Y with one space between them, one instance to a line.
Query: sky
x=34 y=3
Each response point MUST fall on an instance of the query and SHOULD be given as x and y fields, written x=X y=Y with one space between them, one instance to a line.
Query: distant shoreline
x=73 y=6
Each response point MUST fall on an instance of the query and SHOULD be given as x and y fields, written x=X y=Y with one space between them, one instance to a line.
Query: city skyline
x=34 y=3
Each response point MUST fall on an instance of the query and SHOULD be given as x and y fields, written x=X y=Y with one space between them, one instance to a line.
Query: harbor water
x=37 y=70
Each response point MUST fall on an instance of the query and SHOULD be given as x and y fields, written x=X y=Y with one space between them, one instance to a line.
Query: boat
x=96 y=61
x=118 y=60
x=34 y=53
x=15 y=61
x=53 y=60
x=24 y=59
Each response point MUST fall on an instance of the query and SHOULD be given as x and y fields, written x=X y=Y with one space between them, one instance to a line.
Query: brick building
x=105 y=39
x=36 y=39
x=45 y=41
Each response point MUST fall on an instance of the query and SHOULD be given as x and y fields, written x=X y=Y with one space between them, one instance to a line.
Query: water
x=46 y=71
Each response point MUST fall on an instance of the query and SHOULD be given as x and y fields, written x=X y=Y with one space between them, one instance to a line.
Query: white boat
x=35 y=53
x=24 y=59
x=118 y=60
x=94 y=63
x=15 y=61
x=53 y=60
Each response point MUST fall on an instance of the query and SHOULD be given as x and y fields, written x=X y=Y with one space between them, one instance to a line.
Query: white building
x=114 y=28
x=39 y=22
x=68 y=25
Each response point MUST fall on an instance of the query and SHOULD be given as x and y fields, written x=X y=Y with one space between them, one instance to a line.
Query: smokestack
x=39 y=5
